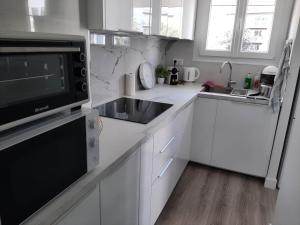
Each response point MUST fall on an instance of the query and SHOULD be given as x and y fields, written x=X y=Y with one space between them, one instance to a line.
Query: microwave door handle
x=37 y=50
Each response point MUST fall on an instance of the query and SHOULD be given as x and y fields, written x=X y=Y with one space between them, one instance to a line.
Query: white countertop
x=118 y=140
x=122 y=135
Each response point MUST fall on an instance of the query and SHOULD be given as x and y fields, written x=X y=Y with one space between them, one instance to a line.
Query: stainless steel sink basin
x=218 y=90
x=227 y=91
x=239 y=92
x=231 y=94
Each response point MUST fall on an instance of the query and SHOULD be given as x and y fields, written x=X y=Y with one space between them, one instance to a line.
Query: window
x=242 y=28
x=258 y=26
x=221 y=25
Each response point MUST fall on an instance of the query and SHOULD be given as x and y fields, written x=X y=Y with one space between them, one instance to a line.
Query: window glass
x=221 y=25
x=258 y=26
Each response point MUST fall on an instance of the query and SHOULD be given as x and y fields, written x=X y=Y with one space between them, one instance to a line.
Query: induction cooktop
x=133 y=110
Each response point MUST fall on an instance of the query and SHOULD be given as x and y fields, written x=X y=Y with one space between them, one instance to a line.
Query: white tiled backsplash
x=109 y=64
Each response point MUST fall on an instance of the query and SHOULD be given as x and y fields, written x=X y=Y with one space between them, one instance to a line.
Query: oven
x=40 y=77
x=42 y=159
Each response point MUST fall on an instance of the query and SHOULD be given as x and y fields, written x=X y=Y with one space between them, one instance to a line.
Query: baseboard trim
x=270 y=183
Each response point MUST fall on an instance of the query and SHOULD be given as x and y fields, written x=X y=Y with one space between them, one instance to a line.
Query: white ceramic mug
x=191 y=74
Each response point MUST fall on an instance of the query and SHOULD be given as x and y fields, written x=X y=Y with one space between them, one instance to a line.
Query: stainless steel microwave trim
x=38 y=49
x=40 y=115
x=31 y=131
x=92 y=133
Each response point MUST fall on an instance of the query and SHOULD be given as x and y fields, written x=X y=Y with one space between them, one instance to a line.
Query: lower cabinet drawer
x=163 y=136
x=164 y=185
x=162 y=157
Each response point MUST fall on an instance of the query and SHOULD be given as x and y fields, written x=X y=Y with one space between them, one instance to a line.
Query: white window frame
x=279 y=31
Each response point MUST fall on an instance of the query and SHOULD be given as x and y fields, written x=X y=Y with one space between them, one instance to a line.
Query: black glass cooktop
x=133 y=110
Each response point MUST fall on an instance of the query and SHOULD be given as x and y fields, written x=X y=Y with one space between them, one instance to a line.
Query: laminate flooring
x=209 y=196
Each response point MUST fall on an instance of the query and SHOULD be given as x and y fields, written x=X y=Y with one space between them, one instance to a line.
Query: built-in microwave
x=40 y=159
x=40 y=77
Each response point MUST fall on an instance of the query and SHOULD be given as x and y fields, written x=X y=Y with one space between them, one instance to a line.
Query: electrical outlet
x=179 y=62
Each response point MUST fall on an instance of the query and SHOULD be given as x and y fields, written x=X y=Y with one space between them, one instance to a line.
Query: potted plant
x=161 y=73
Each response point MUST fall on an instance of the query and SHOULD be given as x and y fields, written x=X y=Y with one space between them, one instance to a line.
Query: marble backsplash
x=110 y=64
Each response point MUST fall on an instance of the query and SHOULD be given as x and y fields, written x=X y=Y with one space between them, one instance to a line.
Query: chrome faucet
x=230 y=82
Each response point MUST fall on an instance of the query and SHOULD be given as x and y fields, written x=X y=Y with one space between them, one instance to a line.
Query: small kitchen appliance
x=40 y=77
x=173 y=77
x=268 y=74
x=191 y=74
x=133 y=110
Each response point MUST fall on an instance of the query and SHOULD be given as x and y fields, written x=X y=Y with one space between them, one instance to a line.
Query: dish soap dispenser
x=248 y=81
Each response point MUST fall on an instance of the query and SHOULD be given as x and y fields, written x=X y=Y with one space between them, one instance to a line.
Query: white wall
x=295 y=20
x=209 y=70
x=109 y=64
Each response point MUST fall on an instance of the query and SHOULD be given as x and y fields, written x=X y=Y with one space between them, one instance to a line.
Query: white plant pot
x=161 y=81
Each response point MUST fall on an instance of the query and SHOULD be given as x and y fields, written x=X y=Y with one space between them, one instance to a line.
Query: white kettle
x=191 y=74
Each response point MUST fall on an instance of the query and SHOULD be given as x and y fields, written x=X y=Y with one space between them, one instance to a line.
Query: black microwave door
x=35 y=171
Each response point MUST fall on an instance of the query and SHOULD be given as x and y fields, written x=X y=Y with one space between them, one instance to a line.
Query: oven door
x=39 y=77
x=35 y=170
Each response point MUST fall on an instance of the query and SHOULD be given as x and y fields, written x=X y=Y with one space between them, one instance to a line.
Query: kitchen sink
x=218 y=90
x=239 y=92
x=227 y=91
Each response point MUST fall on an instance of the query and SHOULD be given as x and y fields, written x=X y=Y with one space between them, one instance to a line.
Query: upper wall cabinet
x=169 y=18
x=175 y=18
x=120 y=15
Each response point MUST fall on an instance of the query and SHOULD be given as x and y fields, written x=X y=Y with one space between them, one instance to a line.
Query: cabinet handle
x=166 y=168
x=164 y=148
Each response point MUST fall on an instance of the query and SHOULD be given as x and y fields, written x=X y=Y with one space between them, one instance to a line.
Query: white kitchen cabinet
x=183 y=128
x=119 y=193
x=171 y=155
x=203 y=130
x=109 y=14
x=169 y=18
x=141 y=16
x=243 y=137
x=163 y=187
x=175 y=18
x=163 y=159
x=86 y=212
x=188 y=19
x=146 y=182
x=116 y=15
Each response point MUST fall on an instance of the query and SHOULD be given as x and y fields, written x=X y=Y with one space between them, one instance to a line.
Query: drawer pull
x=164 y=148
x=166 y=168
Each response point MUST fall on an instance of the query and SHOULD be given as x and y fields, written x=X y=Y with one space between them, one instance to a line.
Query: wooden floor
x=208 y=196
